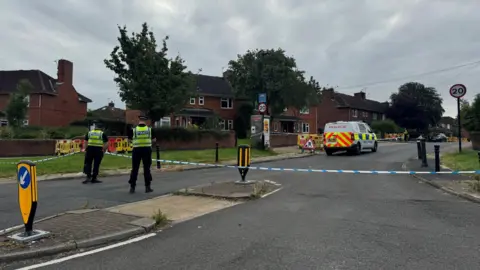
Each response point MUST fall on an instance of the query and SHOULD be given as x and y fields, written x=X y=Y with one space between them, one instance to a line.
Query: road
x=317 y=221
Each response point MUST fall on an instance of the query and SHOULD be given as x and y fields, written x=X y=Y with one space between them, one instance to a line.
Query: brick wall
x=29 y=148
x=280 y=140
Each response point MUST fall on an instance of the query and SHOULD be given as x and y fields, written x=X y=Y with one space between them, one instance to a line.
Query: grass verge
x=73 y=164
x=465 y=161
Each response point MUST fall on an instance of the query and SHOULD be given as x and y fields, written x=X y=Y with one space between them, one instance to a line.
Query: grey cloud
x=340 y=43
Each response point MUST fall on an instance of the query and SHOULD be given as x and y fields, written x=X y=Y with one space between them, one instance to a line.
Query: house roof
x=448 y=120
x=109 y=112
x=42 y=83
x=344 y=100
x=213 y=86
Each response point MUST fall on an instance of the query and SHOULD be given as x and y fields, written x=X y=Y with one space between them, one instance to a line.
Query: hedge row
x=164 y=134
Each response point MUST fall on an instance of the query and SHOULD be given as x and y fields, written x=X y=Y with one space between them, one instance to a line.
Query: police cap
x=99 y=125
x=143 y=117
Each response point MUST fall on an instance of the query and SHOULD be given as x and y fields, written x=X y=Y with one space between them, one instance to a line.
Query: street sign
x=458 y=90
x=27 y=192
x=262 y=98
x=262 y=107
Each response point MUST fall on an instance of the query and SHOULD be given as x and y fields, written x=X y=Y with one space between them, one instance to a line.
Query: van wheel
x=329 y=152
x=358 y=149
x=375 y=146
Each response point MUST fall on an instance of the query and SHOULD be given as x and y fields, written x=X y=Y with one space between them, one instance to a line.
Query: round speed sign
x=458 y=90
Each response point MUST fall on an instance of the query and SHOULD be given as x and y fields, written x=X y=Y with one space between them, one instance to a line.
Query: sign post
x=27 y=201
x=243 y=162
x=458 y=91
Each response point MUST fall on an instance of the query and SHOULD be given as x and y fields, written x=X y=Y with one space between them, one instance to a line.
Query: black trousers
x=93 y=154
x=144 y=155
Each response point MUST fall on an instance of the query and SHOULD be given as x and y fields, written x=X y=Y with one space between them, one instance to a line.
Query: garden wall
x=34 y=147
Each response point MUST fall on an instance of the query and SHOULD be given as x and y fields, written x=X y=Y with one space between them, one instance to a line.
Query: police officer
x=142 y=138
x=97 y=145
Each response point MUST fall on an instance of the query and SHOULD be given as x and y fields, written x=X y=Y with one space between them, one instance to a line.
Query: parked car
x=439 y=138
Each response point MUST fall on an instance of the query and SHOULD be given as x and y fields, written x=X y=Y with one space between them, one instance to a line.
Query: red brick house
x=214 y=98
x=52 y=102
x=334 y=106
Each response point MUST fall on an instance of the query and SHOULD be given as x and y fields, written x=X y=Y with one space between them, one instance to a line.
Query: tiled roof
x=213 y=86
x=109 y=112
x=42 y=83
x=344 y=100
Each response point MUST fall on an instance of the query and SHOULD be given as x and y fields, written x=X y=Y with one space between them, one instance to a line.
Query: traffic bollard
x=216 y=152
x=159 y=166
x=419 y=149
x=478 y=157
x=437 y=157
x=243 y=161
x=424 y=153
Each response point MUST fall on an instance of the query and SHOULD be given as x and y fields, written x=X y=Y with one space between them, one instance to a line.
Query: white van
x=351 y=136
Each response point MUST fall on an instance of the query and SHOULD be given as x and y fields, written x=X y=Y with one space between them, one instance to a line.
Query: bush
x=183 y=134
x=32 y=132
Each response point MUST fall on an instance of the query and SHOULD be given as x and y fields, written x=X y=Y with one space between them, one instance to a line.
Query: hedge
x=164 y=134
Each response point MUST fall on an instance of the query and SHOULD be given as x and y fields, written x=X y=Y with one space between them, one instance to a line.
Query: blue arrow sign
x=24 y=178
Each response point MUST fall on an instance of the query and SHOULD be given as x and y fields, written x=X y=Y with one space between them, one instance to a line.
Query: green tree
x=148 y=80
x=472 y=115
x=385 y=126
x=17 y=107
x=416 y=107
x=271 y=72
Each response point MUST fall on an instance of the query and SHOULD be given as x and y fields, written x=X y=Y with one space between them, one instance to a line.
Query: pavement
x=316 y=221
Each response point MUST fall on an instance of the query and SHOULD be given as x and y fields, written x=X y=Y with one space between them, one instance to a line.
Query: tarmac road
x=317 y=221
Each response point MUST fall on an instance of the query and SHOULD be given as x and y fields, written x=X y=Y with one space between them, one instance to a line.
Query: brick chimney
x=360 y=95
x=328 y=93
x=65 y=72
x=111 y=104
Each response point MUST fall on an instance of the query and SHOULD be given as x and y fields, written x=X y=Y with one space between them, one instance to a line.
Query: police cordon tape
x=300 y=169
x=179 y=162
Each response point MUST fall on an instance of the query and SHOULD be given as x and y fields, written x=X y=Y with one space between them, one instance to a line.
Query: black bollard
x=159 y=166
x=424 y=153
x=216 y=152
x=419 y=149
x=478 y=156
x=437 y=157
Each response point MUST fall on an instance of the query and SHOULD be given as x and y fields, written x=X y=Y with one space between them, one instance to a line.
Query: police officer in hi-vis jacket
x=142 y=138
x=97 y=144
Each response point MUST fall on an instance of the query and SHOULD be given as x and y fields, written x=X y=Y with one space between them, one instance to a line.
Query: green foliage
x=385 y=126
x=242 y=119
x=416 y=106
x=111 y=128
x=274 y=73
x=149 y=81
x=32 y=132
x=183 y=134
x=17 y=107
x=471 y=115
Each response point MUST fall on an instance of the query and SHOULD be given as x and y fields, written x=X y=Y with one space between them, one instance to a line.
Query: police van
x=351 y=136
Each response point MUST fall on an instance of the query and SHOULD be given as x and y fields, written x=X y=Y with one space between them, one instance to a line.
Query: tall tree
x=147 y=79
x=17 y=107
x=416 y=106
x=471 y=115
x=271 y=72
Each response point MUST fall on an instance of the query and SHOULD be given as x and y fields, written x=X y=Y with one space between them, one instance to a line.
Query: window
x=354 y=113
x=275 y=126
x=448 y=126
x=230 y=124
x=226 y=103
x=221 y=124
x=305 y=128
x=3 y=123
x=25 y=122
x=164 y=122
x=362 y=128
x=285 y=110
x=365 y=114
x=374 y=116
x=192 y=101
x=27 y=99
x=383 y=116
x=201 y=100
x=305 y=110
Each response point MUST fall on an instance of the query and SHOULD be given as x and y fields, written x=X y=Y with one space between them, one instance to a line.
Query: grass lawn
x=466 y=161
x=72 y=164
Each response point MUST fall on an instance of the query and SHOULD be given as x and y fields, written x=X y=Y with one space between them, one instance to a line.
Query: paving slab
x=177 y=208
x=233 y=189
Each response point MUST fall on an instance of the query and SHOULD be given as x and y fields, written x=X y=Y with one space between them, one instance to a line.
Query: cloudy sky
x=351 y=44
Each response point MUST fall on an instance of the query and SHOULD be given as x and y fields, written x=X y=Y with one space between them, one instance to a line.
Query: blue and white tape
x=177 y=162
x=41 y=160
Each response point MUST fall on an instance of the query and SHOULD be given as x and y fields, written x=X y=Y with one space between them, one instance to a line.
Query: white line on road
x=79 y=255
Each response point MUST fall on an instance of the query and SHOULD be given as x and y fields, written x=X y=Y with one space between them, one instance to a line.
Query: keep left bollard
x=437 y=157
x=27 y=200
x=243 y=162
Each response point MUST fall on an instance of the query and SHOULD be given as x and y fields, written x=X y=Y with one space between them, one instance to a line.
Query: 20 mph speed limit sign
x=458 y=90
x=262 y=107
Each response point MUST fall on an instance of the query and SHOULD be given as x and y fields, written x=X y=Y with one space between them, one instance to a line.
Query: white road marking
x=83 y=254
